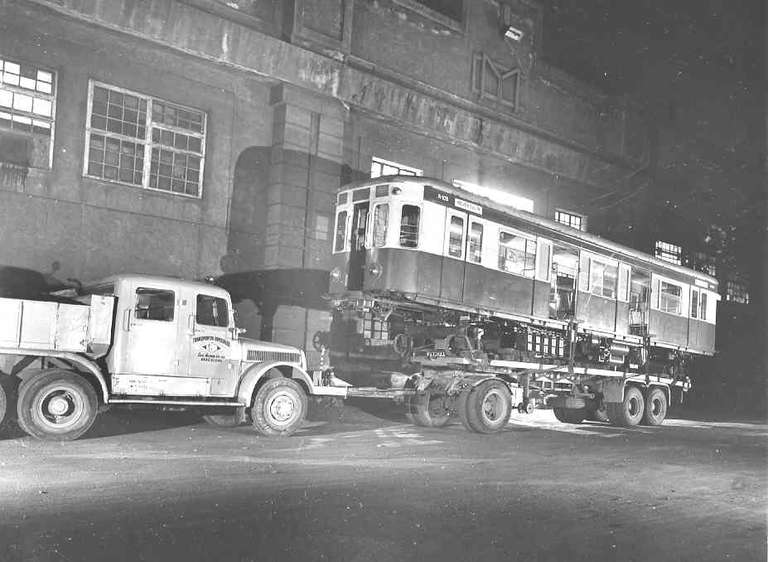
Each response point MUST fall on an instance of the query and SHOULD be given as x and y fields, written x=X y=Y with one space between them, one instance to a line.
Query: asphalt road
x=149 y=486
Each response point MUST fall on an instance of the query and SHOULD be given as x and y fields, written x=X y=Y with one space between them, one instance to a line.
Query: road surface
x=371 y=487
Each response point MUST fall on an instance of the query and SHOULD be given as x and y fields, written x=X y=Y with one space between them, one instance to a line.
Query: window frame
x=147 y=143
x=344 y=232
x=418 y=226
x=680 y=301
x=151 y=291
x=213 y=298
x=571 y=215
x=605 y=264
x=530 y=241
x=475 y=255
x=411 y=171
x=376 y=240
x=462 y=241
x=51 y=97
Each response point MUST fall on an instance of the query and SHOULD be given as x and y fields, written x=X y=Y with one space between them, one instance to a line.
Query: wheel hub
x=282 y=408
x=58 y=405
x=491 y=403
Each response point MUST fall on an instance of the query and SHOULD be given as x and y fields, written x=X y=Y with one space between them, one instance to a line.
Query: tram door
x=565 y=269
x=357 y=248
x=639 y=299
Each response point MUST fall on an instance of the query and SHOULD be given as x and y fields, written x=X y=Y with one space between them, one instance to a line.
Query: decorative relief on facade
x=491 y=80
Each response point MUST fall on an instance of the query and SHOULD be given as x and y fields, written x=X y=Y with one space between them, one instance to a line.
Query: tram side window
x=670 y=298
x=380 y=221
x=456 y=237
x=476 y=242
x=517 y=254
x=602 y=279
x=698 y=304
x=341 y=231
x=409 y=226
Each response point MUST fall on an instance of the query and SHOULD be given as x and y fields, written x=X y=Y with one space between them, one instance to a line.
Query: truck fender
x=250 y=380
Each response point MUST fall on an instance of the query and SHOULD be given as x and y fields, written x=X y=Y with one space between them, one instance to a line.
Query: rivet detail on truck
x=261 y=355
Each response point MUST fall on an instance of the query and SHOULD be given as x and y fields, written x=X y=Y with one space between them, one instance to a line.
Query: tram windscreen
x=409 y=226
x=341 y=231
x=380 y=220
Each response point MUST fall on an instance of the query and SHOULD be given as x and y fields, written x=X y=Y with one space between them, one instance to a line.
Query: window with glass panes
x=570 y=219
x=27 y=105
x=143 y=141
x=381 y=167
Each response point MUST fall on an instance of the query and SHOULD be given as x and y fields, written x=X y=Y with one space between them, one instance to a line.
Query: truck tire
x=56 y=405
x=488 y=407
x=428 y=409
x=629 y=412
x=279 y=407
x=570 y=415
x=655 y=406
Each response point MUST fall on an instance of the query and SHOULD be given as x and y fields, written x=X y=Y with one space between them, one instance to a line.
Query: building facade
x=199 y=137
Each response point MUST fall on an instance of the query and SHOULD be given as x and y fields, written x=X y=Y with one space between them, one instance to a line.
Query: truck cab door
x=211 y=350
x=152 y=324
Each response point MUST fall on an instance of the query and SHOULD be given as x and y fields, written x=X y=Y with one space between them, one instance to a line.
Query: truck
x=149 y=340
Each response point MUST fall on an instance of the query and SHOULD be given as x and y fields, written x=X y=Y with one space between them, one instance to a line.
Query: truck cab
x=141 y=339
x=179 y=338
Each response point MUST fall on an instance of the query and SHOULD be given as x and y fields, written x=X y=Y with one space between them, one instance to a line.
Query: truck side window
x=154 y=304
x=211 y=311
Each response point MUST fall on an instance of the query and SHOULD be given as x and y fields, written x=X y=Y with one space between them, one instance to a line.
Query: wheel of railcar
x=222 y=420
x=570 y=415
x=428 y=409
x=488 y=407
x=655 y=407
x=279 y=407
x=56 y=405
x=629 y=412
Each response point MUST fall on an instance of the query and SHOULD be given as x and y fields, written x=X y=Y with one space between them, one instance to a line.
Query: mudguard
x=255 y=373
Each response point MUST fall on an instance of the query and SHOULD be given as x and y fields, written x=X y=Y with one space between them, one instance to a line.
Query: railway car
x=459 y=290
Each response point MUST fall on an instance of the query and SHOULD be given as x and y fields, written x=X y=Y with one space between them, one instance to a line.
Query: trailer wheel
x=570 y=415
x=629 y=412
x=487 y=407
x=279 y=407
x=57 y=405
x=655 y=407
x=428 y=409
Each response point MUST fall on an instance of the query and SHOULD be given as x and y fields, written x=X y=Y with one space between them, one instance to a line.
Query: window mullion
x=147 y=146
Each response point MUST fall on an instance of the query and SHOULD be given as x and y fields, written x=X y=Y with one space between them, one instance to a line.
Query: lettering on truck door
x=211 y=349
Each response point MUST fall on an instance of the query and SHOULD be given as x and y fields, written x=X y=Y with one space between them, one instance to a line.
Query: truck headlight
x=336 y=274
x=375 y=270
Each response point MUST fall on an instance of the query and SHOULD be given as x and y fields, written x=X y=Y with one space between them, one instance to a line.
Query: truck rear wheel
x=487 y=407
x=655 y=407
x=279 y=407
x=570 y=415
x=629 y=412
x=428 y=409
x=57 y=405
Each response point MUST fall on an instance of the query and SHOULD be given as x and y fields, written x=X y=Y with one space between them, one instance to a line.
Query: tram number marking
x=435 y=354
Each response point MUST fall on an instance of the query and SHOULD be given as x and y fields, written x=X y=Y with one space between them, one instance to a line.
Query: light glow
x=502 y=197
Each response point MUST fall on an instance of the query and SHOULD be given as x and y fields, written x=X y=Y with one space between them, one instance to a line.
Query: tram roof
x=565 y=232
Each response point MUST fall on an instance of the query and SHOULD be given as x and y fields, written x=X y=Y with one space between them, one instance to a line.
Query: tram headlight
x=375 y=270
x=336 y=274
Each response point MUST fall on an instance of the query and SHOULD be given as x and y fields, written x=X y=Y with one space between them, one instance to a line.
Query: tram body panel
x=597 y=313
x=499 y=291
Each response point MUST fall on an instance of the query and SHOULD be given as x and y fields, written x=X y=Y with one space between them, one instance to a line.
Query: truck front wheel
x=570 y=415
x=3 y=402
x=279 y=407
x=56 y=405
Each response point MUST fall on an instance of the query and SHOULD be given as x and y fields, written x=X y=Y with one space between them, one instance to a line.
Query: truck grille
x=286 y=356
